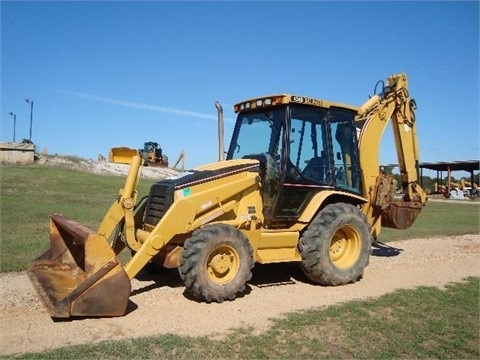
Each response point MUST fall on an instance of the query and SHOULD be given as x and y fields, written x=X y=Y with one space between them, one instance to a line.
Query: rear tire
x=336 y=246
x=216 y=263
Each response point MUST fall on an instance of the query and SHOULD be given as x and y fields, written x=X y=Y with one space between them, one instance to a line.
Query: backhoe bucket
x=79 y=275
x=400 y=214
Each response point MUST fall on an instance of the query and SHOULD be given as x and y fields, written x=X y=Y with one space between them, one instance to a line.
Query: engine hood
x=210 y=172
x=162 y=193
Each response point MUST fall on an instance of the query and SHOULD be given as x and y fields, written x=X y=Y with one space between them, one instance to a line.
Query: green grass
x=440 y=218
x=30 y=194
x=425 y=323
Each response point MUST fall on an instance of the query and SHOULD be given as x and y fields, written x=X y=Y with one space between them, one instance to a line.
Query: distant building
x=17 y=152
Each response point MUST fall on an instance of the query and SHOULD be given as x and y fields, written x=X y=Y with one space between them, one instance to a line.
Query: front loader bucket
x=121 y=155
x=79 y=275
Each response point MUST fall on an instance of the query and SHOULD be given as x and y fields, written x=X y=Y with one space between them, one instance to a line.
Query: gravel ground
x=159 y=305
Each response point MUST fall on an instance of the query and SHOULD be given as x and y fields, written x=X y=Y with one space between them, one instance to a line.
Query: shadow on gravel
x=131 y=307
x=384 y=250
x=262 y=276
x=161 y=278
x=265 y=275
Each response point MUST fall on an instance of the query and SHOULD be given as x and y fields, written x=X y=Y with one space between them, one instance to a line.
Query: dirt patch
x=159 y=305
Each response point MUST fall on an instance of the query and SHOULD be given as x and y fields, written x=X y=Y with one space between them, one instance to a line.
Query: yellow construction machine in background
x=301 y=182
x=153 y=155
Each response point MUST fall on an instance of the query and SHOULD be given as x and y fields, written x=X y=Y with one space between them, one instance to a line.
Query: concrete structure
x=17 y=153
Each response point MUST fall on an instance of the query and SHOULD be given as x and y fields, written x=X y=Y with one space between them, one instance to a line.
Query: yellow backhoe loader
x=300 y=183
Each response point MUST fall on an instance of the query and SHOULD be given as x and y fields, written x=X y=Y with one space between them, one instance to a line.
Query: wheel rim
x=223 y=264
x=345 y=247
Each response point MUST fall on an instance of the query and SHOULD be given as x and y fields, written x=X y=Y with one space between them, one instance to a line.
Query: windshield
x=257 y=133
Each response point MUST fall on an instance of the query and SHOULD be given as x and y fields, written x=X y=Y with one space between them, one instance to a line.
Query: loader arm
x=395 y=104
x=80 y=271
x=122 y=209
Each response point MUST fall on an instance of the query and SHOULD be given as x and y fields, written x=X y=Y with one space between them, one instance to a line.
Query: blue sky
x=106 y=74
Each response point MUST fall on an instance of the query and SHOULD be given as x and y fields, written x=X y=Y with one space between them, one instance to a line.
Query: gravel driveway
x=158 y=304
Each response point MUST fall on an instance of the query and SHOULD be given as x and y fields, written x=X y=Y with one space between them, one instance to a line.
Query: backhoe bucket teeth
x=79 y=275
x=400 y=214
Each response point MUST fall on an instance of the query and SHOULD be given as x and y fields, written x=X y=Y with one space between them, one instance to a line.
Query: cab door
x=305 y=161
x=346 y=171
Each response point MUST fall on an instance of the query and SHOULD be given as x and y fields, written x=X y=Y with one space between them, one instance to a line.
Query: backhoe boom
x=393 y=103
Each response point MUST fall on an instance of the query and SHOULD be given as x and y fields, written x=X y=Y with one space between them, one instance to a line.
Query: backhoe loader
x=300 y=182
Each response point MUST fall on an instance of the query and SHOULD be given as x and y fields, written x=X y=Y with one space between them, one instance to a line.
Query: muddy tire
x=336 y=246
x=216 y=263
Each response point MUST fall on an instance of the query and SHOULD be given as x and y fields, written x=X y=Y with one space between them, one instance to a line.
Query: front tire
x=336 y=246
x=216 y=263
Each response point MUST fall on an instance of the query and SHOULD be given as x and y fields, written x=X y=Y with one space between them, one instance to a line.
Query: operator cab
x=152 y=148
x=304 y=146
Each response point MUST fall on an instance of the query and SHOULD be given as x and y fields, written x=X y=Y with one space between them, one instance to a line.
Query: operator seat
x=315 y=169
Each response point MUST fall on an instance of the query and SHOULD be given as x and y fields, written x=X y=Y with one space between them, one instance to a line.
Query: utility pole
x=29 y=101
x=14 y=123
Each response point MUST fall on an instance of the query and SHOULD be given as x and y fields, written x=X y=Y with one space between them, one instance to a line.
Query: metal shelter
x=468 y=166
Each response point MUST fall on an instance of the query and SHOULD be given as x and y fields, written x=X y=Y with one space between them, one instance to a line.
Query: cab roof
x=282 y=99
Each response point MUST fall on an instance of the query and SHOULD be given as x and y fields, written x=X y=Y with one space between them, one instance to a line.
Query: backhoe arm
x=393 y=103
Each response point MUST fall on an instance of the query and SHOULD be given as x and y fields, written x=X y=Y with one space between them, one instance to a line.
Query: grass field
x=421 y=323
x=440 y=218
x=30 y=194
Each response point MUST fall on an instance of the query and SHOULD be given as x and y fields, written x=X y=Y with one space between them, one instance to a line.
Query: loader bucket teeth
x=79 y=275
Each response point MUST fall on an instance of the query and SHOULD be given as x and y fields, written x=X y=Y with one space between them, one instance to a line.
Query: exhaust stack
x=221 y=152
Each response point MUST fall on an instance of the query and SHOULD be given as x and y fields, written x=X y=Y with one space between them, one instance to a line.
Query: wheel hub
x=345 y=247
x=223 y=264
x=337 y=248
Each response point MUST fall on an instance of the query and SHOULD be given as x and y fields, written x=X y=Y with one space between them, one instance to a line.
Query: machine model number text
x=307 y=100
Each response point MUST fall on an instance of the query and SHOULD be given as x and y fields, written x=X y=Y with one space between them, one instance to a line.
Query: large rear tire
x=336 y=246
x=216 y=263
